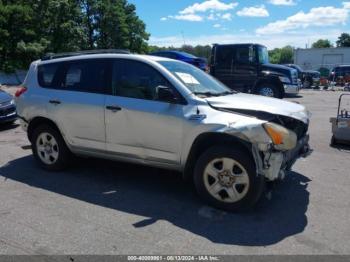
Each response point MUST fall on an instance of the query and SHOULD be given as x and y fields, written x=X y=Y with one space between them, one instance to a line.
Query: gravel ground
x=103 y=207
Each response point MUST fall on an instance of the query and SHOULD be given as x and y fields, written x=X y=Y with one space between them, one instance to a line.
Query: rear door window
x=91 y=76
x=47 y=74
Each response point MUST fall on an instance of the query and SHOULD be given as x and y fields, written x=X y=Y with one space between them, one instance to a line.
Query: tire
x=246 y=190
x=334 y=141
x=268 y=90
x=59 y=155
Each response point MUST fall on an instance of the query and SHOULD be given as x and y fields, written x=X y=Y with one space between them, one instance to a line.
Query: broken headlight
x=282 y=138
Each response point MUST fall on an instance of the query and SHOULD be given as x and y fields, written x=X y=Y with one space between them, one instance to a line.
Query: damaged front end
x=274 y=164
x=285 y=140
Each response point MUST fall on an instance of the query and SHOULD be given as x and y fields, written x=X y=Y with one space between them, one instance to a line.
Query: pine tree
x=30 y=28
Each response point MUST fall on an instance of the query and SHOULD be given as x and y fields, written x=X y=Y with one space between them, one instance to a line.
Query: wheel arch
x=38 y=121
x=271 y=81
x=207 y=140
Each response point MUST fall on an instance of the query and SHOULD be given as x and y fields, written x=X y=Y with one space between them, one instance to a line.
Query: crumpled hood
x=248 y=102
x=4 y=97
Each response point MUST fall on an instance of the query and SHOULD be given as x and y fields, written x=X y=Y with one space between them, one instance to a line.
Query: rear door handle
x=113 y=108
x=55 y=102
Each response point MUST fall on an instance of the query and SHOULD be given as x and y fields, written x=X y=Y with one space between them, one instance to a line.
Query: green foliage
x=30 y=28
x=343 y=40
x=322 y=43
x=282 y=55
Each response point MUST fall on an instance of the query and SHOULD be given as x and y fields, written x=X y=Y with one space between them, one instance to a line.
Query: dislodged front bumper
x=273 y=165
x=301 y=150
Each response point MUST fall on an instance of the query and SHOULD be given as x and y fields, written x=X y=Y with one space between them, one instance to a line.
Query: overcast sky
x=274 y=23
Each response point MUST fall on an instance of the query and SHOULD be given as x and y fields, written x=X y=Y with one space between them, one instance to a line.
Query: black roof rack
x=50 y=56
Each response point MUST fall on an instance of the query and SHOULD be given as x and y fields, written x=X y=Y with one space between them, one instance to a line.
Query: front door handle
x=55 y=102
x=113 y=108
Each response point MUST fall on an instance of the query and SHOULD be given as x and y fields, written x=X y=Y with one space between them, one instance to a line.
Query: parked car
x=201 y=63
x=160 y=112
x=311 y=79
x=7 y=108
x=246 y=68
x=308 y=78
x=340 y=75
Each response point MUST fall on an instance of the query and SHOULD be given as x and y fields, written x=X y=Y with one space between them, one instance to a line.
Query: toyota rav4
x=160 y=112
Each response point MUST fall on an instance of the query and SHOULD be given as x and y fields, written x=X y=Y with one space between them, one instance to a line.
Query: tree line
x=31 y=28
x=343 y=41
x=285 y=54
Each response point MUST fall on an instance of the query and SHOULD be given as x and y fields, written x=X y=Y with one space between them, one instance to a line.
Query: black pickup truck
x=246 y=68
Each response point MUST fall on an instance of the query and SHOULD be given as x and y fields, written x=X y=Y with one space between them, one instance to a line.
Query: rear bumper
x=291 y=89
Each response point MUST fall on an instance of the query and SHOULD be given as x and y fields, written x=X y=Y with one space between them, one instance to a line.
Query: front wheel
x=226 y=178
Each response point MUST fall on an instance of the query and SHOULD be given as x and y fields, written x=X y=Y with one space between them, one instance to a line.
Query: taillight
x=20 y=91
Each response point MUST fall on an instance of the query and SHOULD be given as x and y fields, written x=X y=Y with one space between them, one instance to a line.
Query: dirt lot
x=101 y=207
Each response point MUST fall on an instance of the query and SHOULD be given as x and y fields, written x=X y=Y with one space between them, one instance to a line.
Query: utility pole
x=183 y=37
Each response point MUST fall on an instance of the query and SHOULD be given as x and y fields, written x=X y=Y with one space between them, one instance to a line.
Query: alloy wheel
x=226 y=180
x=47 y=148
x=267 y=91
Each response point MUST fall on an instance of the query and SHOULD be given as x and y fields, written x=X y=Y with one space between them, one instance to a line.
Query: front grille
x=7 y=111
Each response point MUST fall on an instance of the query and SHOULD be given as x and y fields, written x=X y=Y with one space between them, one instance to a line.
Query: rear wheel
x=49 y=148
x=334 y=141
x=226 y=178
x=268 y=90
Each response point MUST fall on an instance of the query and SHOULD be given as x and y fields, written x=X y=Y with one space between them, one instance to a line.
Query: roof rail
x=50 y=56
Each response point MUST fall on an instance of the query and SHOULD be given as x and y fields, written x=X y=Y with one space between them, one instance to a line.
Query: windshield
x=197 y=81
x=263 y=55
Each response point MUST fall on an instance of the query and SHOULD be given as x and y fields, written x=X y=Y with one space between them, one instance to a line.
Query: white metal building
x=316 y=58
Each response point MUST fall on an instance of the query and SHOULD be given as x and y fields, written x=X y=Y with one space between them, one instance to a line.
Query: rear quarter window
x=47 y=75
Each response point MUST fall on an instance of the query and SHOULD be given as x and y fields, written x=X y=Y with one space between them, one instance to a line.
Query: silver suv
x=164 y=113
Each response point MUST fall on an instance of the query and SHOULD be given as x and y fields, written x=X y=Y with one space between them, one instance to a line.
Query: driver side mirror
x=166 y=94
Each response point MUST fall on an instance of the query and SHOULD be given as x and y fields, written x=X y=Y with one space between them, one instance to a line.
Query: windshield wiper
x=225 y=93
x=205 y=94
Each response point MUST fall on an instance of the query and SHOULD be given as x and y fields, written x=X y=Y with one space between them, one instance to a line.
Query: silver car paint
x=261 y=103
x=150 y=132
